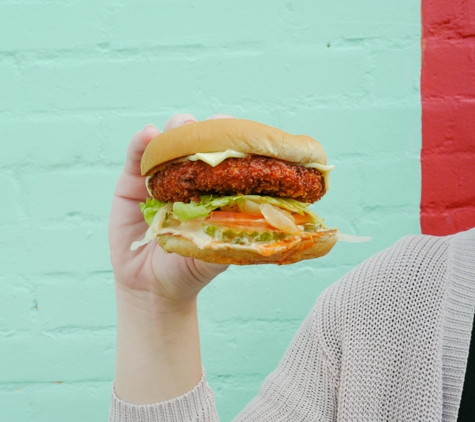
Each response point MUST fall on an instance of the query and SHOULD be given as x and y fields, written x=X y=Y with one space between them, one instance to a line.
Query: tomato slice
x=301 y=219
x=234 y=216
x=248 y=218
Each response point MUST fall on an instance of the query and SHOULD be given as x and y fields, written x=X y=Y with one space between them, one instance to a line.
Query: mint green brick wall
x=78 y=78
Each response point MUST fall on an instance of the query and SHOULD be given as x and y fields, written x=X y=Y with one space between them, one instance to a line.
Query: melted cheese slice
x=325 y=171
x=215 y=158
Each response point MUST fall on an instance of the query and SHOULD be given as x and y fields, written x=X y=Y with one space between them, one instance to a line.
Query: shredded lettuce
x=149 y=208
x=208 y=203
x=156 y=213
x=200 y=209
x=155 y=226
x=190 y=211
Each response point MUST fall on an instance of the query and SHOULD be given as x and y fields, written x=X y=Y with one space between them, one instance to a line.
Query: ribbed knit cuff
x=458 y=320
x=195 y=405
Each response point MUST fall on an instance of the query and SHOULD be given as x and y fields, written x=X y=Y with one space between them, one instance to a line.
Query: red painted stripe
x=448 y=116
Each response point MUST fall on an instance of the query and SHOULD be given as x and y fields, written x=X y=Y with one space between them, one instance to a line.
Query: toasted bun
x=236 y=134
x=307 y=249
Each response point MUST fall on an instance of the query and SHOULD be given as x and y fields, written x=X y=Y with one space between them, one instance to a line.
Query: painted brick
x=450 y=126
x=354 y=177
x=54 y=141
x=455 y=79
x=224 y=302
x=392 y=187
x=346 y=35
x=56 y=249
x=454 y=185
x=64 y=140
x=64 y=357
x=447 y=88
x=364 y=12
x=245 y=389
x=452 y=19
x=11 y=87
x=137 y=82
x=76 y=302
x=51 y=25
x=15 y=406
x=47 y=401
x=10 y=209
x=75 y=403
x=62 y=194
x=77 y=79
x=369 y=131
x=234 y=350
x=449 y=221
x=17 y=305
x=393 y=63
x=211 y=23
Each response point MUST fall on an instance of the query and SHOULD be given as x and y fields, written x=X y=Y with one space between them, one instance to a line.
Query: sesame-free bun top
x=239 y=135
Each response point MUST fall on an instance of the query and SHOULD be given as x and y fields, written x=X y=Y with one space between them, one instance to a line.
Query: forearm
x=158 y=351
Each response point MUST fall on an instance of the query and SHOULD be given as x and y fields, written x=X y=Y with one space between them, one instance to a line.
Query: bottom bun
x=315 y=246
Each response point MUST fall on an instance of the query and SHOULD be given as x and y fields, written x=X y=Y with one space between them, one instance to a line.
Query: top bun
x=239 y=135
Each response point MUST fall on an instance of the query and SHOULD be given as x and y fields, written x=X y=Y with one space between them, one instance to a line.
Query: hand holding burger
x=149 y=271
x=156 y=292
x=157 y=328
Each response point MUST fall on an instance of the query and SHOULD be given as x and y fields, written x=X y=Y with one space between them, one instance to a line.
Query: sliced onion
x=279 y=218
x=250 y=206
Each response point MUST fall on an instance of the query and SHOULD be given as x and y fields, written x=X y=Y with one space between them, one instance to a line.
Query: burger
x=235 y=191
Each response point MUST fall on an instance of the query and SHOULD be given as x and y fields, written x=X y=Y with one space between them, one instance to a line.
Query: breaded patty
x=185 y=182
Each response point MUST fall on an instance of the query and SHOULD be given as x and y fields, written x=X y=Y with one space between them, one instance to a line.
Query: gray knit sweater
x=388 y=342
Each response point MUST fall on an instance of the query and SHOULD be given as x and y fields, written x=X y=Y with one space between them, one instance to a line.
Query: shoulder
x=396 y=301
x=412 y=260
x=390 y=289
x=415 y=268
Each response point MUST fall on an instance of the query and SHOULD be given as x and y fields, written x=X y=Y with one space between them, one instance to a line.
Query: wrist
x=158 y=353
x=150 y=303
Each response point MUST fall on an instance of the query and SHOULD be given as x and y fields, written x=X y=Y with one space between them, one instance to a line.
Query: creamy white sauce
x=190 y=230
x=256 y=247
x=193 y=231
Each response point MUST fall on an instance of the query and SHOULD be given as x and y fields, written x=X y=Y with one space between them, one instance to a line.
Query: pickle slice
x=227 y=235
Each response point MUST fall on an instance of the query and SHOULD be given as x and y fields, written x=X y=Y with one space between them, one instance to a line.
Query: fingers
x=137 y=147
x=179 y=120
x=207 y=271
x=220 y=116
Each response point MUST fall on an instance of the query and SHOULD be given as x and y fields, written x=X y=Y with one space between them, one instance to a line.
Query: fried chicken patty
x=185 y=182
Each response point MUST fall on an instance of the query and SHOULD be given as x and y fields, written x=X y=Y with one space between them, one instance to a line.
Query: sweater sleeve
x=196 y=405
x=301 y=388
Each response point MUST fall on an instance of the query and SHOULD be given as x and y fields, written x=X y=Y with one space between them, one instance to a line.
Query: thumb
x=206 y=271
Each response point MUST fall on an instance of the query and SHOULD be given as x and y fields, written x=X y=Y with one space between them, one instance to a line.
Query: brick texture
x=448 y=117
x=78 y=78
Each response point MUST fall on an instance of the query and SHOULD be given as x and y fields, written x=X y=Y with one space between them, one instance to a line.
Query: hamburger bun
x=240 y=135
x=306 y=249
